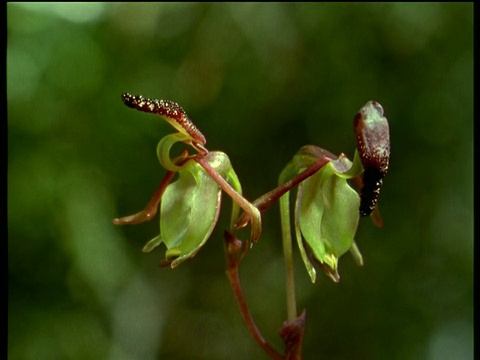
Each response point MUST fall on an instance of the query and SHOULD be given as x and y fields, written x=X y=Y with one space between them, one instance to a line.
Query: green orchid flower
x=190 y=206
x=326 y=209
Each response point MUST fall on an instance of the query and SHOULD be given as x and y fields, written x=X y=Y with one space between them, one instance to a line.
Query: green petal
x=329 y=212
x=190 y=208
x=152 y=244
x=306 y=260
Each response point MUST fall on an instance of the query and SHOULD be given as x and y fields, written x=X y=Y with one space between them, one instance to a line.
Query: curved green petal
x=306 y=260
x=344 y=168
x=163 y=151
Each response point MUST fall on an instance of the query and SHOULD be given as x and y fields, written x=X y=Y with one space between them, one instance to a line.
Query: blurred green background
x=260 y=81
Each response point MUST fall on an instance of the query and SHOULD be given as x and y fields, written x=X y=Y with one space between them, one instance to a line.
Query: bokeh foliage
x=260 y=80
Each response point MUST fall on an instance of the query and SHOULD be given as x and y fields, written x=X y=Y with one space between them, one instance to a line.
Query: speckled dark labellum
x=373 y=145
x=169 y=110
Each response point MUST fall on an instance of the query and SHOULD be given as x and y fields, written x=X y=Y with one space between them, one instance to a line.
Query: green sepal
x=328 y=212
x=298 y=234
x=189 y=209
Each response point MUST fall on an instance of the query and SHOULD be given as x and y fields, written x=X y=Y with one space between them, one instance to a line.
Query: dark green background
x=260 y=81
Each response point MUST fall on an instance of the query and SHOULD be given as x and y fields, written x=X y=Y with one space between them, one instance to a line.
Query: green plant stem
x=288 y=256
x=283 y=192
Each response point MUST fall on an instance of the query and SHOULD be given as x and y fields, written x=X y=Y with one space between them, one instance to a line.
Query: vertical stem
x=288 y=256
x=284 y=192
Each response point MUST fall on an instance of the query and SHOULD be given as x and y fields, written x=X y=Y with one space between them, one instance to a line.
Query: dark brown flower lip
x=170 y=110
x=373 y=145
